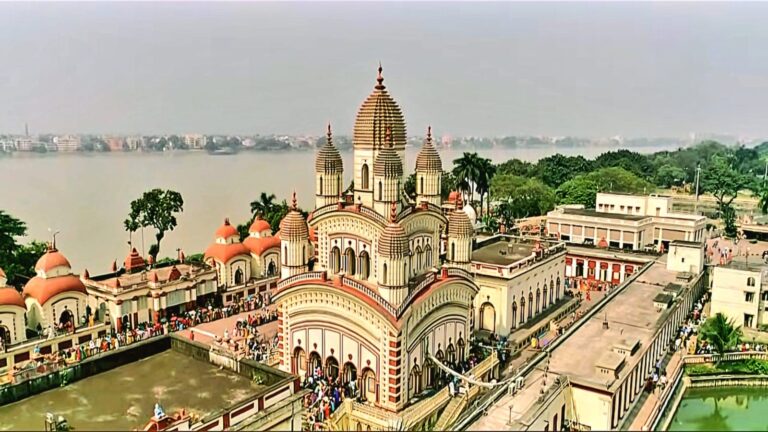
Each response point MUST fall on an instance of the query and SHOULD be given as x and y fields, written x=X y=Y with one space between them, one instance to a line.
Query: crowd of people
x=326 y=396
x=245 y=341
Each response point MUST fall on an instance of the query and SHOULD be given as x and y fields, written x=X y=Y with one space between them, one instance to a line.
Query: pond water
x=722 y=409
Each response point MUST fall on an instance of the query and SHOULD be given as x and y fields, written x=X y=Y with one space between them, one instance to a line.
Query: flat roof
x=686 y=243
x=506 y=250
x=630 y=315
x=752 y=263
x=604 y=215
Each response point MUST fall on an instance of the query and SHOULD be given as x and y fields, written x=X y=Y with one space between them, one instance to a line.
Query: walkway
x=647 y=406
x=268 y=330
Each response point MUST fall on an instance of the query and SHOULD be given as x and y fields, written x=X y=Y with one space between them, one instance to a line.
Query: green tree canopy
x=584 y=188
x=528 y=196
x=516 y=167
x=721 y=332
x=557 y=169
x=156 y=208
x=636 y=163
x=723 y=180
x=17 y=260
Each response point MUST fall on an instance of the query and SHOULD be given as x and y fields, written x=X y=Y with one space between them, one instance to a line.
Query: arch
x=368 y=385
x=364 y=177
x=365 y=265
x=551 y=291
x=5 y=336
x=453 y=251
x=321 y=185
x=417 y=255
x=271 y=268
x=414 y=381
x=350 y=261
x=428 y=256
x=557 y=292
x=314 y=361
x=303 y=254
x=451 y=354
x=101 y=312
x=430 y=374
x=349 y=373
x=460 y=347
x=239 y=276
x=384 y=274
x=544 y=297
x=488 y=317
x=522 y=309
x=299 y=362
x=331 y=368
x=335 y=260
x=381 y=191
x=285 y=254
x=538 y=300
x=514 y=314
x=750 y=281
x=439 y=354
x=67 y=318
x=530 y=304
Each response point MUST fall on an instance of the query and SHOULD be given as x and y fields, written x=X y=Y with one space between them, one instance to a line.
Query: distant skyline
x=482 y=69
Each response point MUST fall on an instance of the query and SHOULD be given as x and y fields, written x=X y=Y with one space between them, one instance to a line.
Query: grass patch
x=750 y=366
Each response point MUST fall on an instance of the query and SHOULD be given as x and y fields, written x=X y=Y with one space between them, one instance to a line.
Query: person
x=159 y=413
x=452 y=388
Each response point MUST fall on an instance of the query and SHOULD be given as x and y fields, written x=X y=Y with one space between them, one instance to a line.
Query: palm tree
x=466 y=169
x=721 y=333
x=263 y=205
x=762 y=193
x=486 y=171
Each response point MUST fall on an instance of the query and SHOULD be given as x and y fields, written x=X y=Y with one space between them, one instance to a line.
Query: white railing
x=426 y=282
x=351 y=283
x=313 y=275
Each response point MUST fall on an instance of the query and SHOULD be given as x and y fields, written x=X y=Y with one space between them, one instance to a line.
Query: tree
x=486 y=171
x=729 y=220
x=580 y=190
x=467 y=170
x=264 y=205
x=557 y=169
x=528 y=196
x=516 y=167
x=721 y=332
x=17 y=260
x=156 y=208
x=634 y=162
x=723 y=181
x=409 y=187
x=447 y=184
x=584 y=188
x=669 y=175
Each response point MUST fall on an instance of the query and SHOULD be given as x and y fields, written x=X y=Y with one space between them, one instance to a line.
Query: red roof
x=259 y=225
x=50 y=260
x=225 y=252
x=258 y=245
x=43 y=290
x=134 y=261
x=312 y=235
x=11 y=297
x=226 y=230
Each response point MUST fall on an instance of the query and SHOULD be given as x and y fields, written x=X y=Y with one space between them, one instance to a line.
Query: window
x=321 y=185
x=764 y=295
x=749 y=297
x=364 y=175
x=750 y=281
x=421 y=183
x=748 y=320
x=380 y=191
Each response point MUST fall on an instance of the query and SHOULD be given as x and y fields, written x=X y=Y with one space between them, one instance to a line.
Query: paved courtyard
x=268 y=330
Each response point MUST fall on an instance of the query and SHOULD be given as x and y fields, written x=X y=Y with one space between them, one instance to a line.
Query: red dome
x=225 y=252
x=258 y=245
x=50 y=260
x=11 y=297
x=43 y=290
x=453 y=196
x=226 y=230
x=259 y=225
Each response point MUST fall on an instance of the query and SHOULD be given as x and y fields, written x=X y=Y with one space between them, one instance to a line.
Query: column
x=635 y=246
x=621 y=239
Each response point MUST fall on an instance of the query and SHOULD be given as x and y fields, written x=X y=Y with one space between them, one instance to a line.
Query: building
x=12 y=312
x=519 y=279
x=134 y=142
x=194 y=141
x=24 y=143
x=593 y=379
x=591 y=267
x=66 y=143
x=378 y=305
x=244 y=268
x=116 y=144
x=142 y=293
x=625 y=221
x=737 y=291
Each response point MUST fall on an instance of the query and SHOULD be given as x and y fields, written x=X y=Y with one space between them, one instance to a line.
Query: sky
x=482 y=69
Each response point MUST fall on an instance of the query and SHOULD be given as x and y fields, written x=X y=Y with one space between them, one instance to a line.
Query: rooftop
x=604 y=215
x=631 y=315
x=751 y=263
x=506 y=250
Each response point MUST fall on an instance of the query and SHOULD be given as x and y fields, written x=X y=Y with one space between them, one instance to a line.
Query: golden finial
x=393 y=212
x=293 y=201
x=226 y=221
x=380 y=79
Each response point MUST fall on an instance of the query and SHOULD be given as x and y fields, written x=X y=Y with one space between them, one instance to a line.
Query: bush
x=747 y=367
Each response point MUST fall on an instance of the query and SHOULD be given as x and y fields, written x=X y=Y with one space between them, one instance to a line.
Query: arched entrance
x=364 y=177
x=299 y=366
x=488 y=317
x=538 y=300
x=271 y=268
x=349 y=261
x=451 y=354
x=430 y=374
x=522 y=309
x=239 y=276
x=350 y=373
x=557 y=291
x=314 y=361
x=335 y=260
x=414 y=381
x=331 y=368
x=514 y=314
x=365 y=265
x=5 y=336
x=544 y=296
x=427 y=256
x=67 y=319
x=368 y=385
x=530 y=305
x=101 y=313
x=461 y=345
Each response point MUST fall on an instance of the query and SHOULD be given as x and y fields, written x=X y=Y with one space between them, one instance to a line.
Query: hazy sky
x=646 y=69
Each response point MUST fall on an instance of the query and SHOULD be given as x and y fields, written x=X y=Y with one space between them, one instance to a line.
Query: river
x=86 y=196
x=722 y=409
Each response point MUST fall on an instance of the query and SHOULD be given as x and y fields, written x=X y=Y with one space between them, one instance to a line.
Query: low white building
x=738 y=292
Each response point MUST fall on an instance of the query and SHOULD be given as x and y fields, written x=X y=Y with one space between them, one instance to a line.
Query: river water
x=86 y=196
x=124 y=398
x=722 y=409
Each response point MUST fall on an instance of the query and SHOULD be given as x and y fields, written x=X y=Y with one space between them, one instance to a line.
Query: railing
x=426 y=282
x=459 y=272
x=352 y=283
x=372 y=214
x=661 y=404
x=313 y=275
x=348 y=207
x=731 y=356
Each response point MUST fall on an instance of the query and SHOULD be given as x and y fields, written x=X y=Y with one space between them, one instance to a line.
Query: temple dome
x=387 y=163
x=10 y=297
x=459 y=224
x=378 y=112
x=393 y=241
x=50 y=260
x=259 y=225
x=294 y=227
x=226 y=230
x=428 y=159
x=328 y=160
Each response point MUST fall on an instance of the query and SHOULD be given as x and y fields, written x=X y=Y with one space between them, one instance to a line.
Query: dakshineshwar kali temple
x=378 y=303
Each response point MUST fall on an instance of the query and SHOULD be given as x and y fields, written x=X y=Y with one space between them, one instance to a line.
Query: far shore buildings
x=626 y=221
x=67 y=143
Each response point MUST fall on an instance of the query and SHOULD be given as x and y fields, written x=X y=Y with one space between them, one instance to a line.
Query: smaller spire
x=226 y=221
x=393 y=212
x=293 y=202
x=429 y=133
x=380 y=79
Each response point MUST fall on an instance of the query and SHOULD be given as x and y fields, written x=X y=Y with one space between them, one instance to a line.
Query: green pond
x=722 y=409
